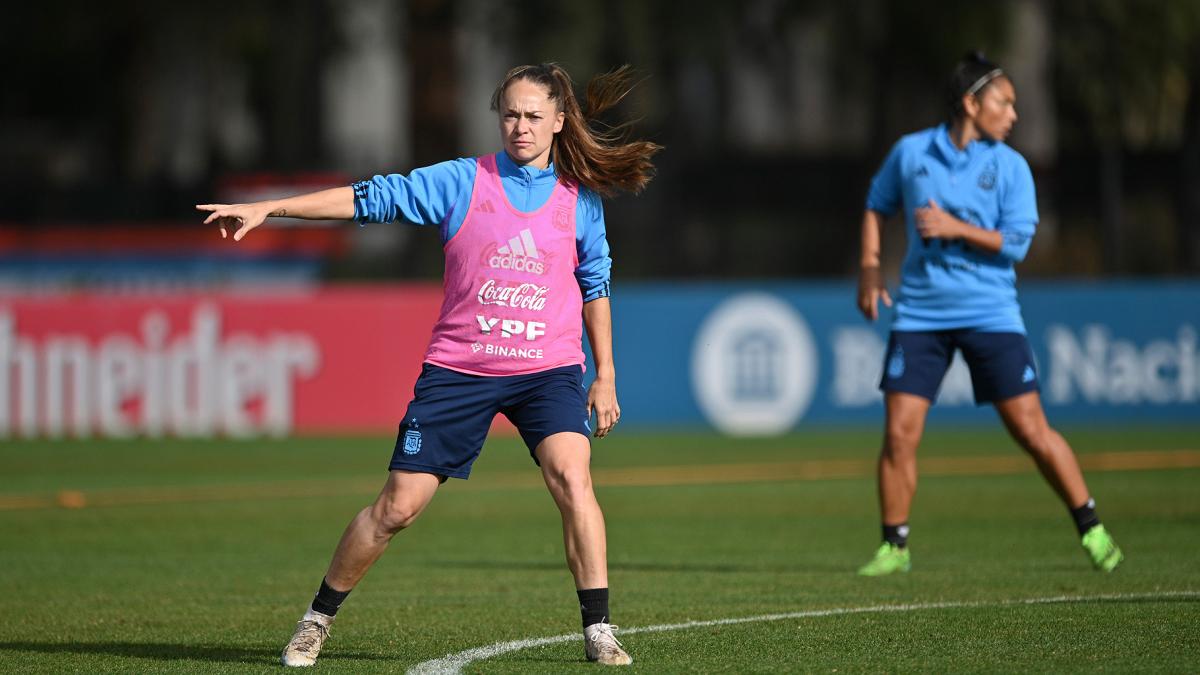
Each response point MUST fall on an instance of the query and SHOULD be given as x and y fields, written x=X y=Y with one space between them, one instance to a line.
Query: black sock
x=1085 y=516
x=328 y=600
x=593 y=604
x=896 y=534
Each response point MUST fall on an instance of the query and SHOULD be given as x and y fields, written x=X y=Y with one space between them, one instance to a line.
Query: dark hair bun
x=967 y=74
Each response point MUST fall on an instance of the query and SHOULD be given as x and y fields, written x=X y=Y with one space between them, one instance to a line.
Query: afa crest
x=412 y=442
x=987 y=179
x=562 y=219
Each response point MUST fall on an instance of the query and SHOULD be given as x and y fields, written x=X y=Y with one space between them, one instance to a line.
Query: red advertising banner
x=335 y=360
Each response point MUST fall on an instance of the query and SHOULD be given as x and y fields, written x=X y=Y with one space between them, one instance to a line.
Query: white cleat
x=306 y=642
x=601 y=646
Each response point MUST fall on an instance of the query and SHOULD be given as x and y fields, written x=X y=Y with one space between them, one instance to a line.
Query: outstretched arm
x=331 y=204
x=602 y=395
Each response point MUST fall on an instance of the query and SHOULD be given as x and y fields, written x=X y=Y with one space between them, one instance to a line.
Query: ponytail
x=603 y=160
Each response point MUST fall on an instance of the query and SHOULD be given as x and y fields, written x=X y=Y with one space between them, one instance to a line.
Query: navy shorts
x=451 y=412
x=1001 y=364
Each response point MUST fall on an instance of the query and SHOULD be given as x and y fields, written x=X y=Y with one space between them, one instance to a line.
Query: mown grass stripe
x=649 y=476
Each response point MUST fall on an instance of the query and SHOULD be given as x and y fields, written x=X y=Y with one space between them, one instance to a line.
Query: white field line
x=454 y=663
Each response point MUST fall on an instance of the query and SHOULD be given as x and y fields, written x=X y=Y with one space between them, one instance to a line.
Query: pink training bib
x=511 y=304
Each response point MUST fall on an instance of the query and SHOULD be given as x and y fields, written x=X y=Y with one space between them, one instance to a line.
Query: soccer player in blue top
x=970 y=213
x=526 y=272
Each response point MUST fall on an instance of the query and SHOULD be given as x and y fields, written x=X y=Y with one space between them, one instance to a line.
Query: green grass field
x=176 y=556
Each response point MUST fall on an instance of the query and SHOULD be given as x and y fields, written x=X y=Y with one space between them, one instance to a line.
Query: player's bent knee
x=1033 y=437
x=393 y=516
x=570 y=484
x=575 y=482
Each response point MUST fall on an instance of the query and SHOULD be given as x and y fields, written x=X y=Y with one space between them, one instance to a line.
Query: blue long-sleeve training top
x=948 y=284
x=441 y=194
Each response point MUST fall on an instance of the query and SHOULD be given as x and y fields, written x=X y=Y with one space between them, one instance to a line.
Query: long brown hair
x=598 y=157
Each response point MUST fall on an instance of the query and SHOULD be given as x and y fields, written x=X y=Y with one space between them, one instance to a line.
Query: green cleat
x=888 y=559
x=1101 y=549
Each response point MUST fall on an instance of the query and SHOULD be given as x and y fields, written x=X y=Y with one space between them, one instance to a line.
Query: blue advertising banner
x=765 y=358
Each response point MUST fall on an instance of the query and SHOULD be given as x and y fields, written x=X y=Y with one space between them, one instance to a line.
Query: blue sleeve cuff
x=362 y=190
x=1016 y=243
x=600 y=291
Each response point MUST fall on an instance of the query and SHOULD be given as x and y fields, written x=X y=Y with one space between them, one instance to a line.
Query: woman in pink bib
x=527 y=269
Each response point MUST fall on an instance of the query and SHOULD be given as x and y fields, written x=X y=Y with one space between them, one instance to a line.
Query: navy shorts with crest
x=451 y=412
x=1001 y=364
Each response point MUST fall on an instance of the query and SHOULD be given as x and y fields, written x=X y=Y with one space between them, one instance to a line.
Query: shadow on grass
x=1162 y=599
x=563 y=661
x=172 y=652
x=719 y=568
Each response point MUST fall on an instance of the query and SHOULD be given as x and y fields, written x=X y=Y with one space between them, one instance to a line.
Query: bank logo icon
x=756 y=377
x=754 y=365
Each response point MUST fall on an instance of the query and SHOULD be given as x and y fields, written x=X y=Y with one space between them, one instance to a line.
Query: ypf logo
x=532 y=330
x=754 y=365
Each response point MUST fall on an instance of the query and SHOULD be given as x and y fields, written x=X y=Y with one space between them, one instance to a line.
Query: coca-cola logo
x=522 y=296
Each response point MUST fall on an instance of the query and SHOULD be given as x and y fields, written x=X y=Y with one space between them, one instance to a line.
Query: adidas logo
x=522 y=244
x=519 y=254
x=486 y=207
x=1028 y=375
